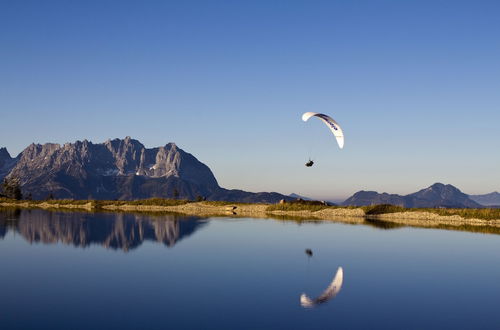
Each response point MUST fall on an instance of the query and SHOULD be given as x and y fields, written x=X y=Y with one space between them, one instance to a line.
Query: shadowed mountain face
x=119 y=169
x=6 y=163
x=121 y=231
x=437 y=195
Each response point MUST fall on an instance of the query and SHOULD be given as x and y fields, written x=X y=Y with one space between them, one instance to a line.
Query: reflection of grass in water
x=144 y=202
x=470 y=228
x=383 y=224
x=100 y=203
x=9 y=217
x=383 y=209
x=484 y=214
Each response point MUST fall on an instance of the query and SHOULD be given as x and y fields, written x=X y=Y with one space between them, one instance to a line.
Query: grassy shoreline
x=424 y=217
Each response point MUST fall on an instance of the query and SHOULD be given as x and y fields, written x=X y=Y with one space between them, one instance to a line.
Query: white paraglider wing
x=331 y=123
x=326 y=295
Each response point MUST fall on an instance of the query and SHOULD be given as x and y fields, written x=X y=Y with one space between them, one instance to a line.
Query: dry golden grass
x=483 y=214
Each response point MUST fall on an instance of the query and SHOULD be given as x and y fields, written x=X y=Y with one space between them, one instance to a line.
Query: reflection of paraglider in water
x=330 y=292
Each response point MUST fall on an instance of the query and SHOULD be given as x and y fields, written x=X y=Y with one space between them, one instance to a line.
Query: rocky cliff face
x=119 y=169
x=116 y=169
x=437 y=195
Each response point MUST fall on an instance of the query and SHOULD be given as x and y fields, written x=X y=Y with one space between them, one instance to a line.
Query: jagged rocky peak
x=127 y=153
x=115 y=157
x=170 y=160
x=32 y=159
x=121 y=147
x=131 y=157
x=39 y=150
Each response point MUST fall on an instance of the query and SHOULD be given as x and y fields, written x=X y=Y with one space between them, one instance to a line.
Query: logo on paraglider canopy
x=327 y=119
x=331 y=124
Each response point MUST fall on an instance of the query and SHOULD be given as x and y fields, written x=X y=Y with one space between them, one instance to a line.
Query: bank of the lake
x=387 y=213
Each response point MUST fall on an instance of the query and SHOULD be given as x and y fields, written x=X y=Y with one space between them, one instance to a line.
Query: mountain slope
x=365 y=198
x=440 y=195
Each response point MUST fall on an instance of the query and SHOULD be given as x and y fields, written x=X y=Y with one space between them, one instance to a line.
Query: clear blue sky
x=414 y=84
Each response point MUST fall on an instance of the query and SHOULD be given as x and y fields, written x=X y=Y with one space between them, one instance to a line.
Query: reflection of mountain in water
x=113 y=230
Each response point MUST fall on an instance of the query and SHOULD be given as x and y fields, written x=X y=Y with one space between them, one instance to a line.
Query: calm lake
x=75 y=270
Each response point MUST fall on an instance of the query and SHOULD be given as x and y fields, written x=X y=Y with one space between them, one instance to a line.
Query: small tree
x=176 y=193
x=12 y=188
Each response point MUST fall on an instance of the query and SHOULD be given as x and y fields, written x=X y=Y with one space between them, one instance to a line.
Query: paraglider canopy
x=332 y=125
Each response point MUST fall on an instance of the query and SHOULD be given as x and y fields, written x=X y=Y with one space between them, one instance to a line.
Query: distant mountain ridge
x=297 y=196
x=117 y=169
x=491 y=199
x=437 y=195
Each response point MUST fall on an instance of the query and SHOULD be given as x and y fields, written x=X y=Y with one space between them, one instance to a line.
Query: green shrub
x=296 y=207
x=383 y=208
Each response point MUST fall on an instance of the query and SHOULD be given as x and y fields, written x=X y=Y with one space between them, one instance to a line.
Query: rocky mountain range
x=123 y=169
x=437 y=195
x=120 y=169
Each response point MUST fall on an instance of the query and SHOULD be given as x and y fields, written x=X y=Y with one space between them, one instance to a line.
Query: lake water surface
x=126 y=271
